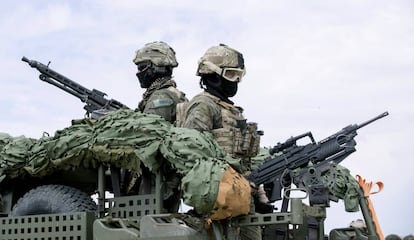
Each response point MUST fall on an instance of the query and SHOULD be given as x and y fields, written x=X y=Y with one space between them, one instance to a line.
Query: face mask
x=145 y=79
x=144 y=74
x=229 y=88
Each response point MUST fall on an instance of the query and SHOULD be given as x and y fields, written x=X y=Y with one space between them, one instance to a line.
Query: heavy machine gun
x=278 y=170
x=95 y=102
x=312 y=168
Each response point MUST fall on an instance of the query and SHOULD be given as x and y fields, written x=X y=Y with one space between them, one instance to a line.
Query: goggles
x=231 y=74
x=143 y=66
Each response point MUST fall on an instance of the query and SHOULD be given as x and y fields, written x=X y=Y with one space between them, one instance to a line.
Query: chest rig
x=238 y=137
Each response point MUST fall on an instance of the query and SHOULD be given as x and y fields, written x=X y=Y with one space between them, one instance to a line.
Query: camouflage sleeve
x=201 y=116
x=161 y=103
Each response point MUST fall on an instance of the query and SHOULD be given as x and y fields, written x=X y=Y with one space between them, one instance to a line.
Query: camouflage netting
x=200 y=160
x=126 y=139
x=345 y=187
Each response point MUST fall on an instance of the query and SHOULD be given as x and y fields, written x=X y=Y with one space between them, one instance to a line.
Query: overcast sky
x=312 y=65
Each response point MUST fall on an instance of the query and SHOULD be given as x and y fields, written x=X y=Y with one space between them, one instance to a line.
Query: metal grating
x=262 y=219
x=68 y=226
x=133 y=207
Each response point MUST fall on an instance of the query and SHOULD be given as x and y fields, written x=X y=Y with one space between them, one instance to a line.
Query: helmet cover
x=223 y=60
x=159 y=53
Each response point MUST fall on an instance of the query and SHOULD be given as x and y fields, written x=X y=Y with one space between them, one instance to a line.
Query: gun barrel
x=25 y=59
x=94 y=99
x=384 y=114
x=32 y=63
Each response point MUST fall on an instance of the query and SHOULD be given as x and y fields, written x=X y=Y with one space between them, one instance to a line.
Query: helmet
x=159 y=53
x=224 y=61
x=408 y=237
x=393 y=237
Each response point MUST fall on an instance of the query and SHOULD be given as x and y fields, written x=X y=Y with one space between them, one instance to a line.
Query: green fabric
x=345 y=187
x=123 y=138
x=65 y=150
x=4 y=139
x=201 y=184
x=200 y=160
x=260 y=157
x=126 y=139
x=14 y=154
x=132 y=131
x=183 y=147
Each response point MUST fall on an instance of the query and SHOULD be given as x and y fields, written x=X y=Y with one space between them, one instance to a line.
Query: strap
x=366 y=188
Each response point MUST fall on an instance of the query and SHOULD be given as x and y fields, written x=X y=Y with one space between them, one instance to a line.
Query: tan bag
x=233 y=198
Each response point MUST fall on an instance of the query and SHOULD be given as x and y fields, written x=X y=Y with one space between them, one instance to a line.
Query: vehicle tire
x=50 y=199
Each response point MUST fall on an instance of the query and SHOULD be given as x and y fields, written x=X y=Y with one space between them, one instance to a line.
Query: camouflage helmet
x=392 y=237
x=159 y=53
x=409 y=237
x=223 y=60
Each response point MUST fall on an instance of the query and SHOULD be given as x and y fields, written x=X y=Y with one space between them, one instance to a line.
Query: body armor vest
x=238 y=137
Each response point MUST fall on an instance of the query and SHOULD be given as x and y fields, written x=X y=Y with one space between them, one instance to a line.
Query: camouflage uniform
x=215 y=113
x=206 y=112
x=161 y=98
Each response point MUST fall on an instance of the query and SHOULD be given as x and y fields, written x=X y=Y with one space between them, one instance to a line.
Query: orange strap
x=366 y=188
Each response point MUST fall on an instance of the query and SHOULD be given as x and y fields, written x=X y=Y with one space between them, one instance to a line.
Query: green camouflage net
x=14 y=153
x=345 y=187
x=67 y=149
x=260 y=157
x=125 y=139
x=200 y=160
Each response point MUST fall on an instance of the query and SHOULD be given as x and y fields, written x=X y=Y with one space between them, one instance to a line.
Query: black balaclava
x=219 y=86
x=147 y=77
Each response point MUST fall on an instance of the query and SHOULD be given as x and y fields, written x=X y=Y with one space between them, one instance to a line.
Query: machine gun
x=96 y=103
x=279 y=170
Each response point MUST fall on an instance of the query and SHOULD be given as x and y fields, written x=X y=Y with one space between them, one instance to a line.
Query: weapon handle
x=290 y=142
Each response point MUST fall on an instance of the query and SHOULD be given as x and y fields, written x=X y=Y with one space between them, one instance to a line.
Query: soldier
x=155 y=62
x=221 y=69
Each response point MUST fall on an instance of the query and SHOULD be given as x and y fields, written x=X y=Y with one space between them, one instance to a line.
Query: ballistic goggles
x=228 y=73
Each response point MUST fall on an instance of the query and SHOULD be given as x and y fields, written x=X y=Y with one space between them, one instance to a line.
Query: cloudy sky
x=312 y=65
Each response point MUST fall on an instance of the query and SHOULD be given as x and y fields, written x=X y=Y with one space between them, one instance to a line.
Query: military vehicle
x=58 y=205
